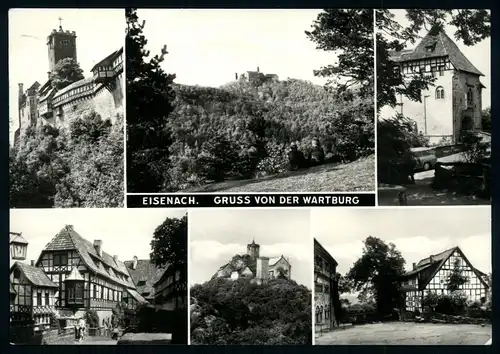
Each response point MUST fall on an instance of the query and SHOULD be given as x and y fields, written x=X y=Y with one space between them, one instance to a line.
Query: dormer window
x=430 y=47
x=469 y=96
x=141 y=283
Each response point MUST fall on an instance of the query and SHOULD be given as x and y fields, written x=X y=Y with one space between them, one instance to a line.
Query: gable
x=144 y=276
x=33 y=275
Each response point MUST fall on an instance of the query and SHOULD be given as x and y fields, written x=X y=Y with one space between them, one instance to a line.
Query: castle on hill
x=452 y=105
x=256 y=76
x=102 y=92
x=253 y=266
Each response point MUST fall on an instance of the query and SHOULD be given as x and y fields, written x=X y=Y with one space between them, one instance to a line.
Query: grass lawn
x=357 y=176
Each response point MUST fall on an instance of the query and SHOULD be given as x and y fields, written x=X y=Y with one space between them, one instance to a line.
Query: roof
x=109 y=59
x=75 y=275
x=75 y=84
x=318 y=247
x=443 y=46
x=136 y=296
x=428 y=267
x=35 y=275
x=17 y=238
x=253 y=243
x=69 y=239
x=147 y=272
x=274 y=260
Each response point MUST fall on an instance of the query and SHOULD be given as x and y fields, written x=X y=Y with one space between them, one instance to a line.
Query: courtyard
x=408 y=333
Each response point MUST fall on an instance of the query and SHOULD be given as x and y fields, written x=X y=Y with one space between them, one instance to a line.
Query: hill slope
x=241 y=130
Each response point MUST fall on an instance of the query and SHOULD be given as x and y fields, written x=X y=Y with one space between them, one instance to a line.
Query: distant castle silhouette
x=256 y=76
x=44 y=104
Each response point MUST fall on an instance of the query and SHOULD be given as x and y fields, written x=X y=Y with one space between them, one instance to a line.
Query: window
x=439 y=93
x=17 y=274
x=47 y=299
x=74 y=293
x=39 y=299
x=60 y=259
x=65 y=42
x=141 y=283
x=469 y=96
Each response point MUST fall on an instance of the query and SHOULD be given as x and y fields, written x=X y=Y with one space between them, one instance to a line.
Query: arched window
x=439 y=93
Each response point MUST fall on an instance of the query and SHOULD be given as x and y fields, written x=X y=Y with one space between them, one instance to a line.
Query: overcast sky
x=99 y=33
x=217 y=235
x=207 y=47
x=416 y=232
x=479 y=55
x=124 y=232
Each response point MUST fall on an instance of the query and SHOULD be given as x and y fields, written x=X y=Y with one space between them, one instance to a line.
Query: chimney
x=21 y=91
x=115 y=258
x=258 y=69
x=32 y=262
x=98 y=247
x=262 y=269
x=431 y=258
x=236 y=76
x=414 y=266
x=49 y=74
x=134 y=263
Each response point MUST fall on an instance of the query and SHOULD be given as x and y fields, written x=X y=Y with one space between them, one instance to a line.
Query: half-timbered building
x=33 y=296
x=326 y=294
x=144 y=275
x=452 y=104
x=431 y=275
x=85 y=275
x=171 y=289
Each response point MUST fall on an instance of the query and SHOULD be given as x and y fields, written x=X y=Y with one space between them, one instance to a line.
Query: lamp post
x=425 y=113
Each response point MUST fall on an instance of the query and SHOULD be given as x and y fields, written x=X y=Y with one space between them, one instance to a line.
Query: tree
x=65 y=72
x=150 y=98
x=456 y=279
x=472 y=26
x=282 y=273
x=486 y=119
x=350 y=33
x=376 y=273
x=169 y=244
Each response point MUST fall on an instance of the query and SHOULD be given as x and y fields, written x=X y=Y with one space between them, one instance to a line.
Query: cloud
x=203 y=251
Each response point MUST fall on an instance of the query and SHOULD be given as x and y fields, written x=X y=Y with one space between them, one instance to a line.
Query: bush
x=451 y=304
x=475 y=150
x=215 y=163
x=92 y=318
x=275 y=162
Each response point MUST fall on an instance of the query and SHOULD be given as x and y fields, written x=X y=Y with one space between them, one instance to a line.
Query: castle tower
x=262 y=270
x=253 y=250
x=61 y=44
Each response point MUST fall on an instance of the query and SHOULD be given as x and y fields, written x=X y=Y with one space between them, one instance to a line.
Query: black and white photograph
x=250 y=274
x=66 y=108
x=384 y=277
x=434 y=107
x=250 y=100
x=86 y=277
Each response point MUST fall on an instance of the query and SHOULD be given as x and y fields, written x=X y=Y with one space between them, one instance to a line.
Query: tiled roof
x=442 y=46
x=274 y=260
x=318 y=248
x=427 y=267
x=35 y=275
x=69 y=239
x=146 y=272
x=136 y=296
x=75 y=275
x=17 y=237
x=109 y=59
x=76 y=84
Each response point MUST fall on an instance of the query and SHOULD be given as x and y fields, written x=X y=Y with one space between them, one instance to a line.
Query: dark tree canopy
x=376 y=274
x=456 y=279
x=472 y=26
x=149 y=102
x=169 y=244
x=66 y=72
x=350 y=34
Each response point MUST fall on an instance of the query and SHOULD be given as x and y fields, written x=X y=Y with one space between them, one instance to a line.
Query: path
x=405 y=333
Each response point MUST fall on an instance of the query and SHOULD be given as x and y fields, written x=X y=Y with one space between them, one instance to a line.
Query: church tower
x=61 y=44
x=253 y=250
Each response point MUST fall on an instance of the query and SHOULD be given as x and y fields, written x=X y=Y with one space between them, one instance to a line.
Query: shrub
x=276 y=160
x=475 y=150
x=215 y=163
x=454 y=303
x=92 y=318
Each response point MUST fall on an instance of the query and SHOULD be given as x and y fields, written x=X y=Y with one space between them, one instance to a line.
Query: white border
x=125 y=114
x=375 y=101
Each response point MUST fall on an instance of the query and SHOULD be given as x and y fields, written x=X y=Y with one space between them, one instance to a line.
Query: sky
x=416 y=232
x=99 y=33
x=217 y=235
x=207 y=47
x=124 y=239
x=479 y=55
